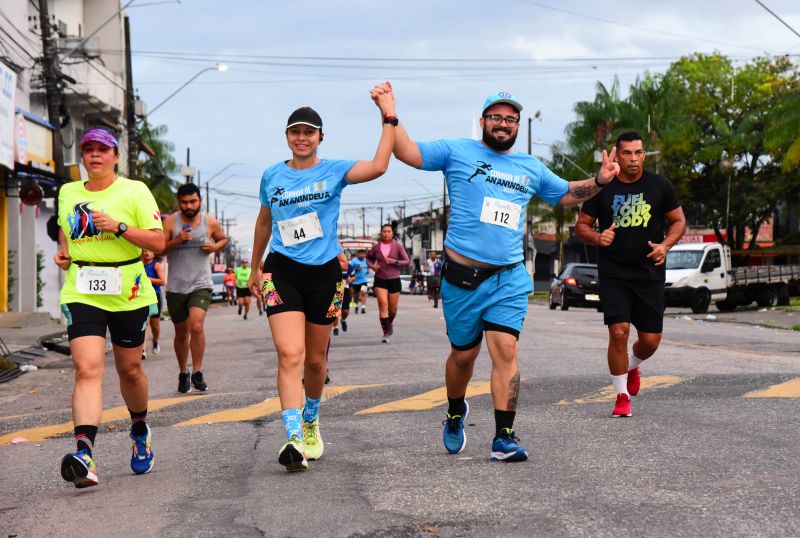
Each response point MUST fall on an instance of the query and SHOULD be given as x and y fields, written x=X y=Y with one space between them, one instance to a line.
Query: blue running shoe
x=79 y=469
x=453 y=435
x=506 y=448
x=141 y=454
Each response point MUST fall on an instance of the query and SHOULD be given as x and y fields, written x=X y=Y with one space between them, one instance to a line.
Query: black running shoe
x=198 y=382
x=344 y=326
x=183 y=382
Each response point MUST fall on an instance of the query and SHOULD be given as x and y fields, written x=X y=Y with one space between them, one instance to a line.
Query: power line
x=626 y=25
x=786 y=24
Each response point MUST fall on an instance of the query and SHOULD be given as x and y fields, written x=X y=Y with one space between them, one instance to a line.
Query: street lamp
x=218 y=67
x=208 y=192
x=555 y=149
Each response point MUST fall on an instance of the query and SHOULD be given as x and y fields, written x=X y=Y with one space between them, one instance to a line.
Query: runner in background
x=359 y=270
x=434 y=273
x=229 y=281
x=243 y=293
x=386 y=257
x=191 y=238
x=155 y=272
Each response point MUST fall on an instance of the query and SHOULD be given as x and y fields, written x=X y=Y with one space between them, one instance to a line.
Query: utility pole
x=363 y=225
x=130 y=106
x=215 y=209
x=530 y=128
x=381 y=216
x=52 y=87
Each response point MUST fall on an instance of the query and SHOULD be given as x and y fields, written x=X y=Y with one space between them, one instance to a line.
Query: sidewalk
x=25 y=329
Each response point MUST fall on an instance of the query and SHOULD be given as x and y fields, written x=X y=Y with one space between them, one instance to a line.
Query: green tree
x=156 y=170
x=714 y=139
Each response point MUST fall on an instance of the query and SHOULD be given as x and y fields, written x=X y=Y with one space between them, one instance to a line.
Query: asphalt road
x=711 y=449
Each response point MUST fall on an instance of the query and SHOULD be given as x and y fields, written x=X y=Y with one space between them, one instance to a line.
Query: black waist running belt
x=81 y=263
x=467 y=277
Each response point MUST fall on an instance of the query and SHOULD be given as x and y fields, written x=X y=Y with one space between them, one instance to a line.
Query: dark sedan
x=575 y=286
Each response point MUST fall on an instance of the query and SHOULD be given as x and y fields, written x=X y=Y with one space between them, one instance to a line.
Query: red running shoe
x=623 y=406
x=634 y=381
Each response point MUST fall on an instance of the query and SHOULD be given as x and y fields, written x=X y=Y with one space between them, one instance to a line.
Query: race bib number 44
x=99 y=280
x=300 y=229
x=501 y=213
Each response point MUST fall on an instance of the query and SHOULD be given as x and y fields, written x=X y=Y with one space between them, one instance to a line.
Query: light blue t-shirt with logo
x=359 y=269
x=290 y=193
x=489 y=194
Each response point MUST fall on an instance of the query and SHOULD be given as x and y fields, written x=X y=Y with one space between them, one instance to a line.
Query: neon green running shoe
x=312 y=440
x=292 y=455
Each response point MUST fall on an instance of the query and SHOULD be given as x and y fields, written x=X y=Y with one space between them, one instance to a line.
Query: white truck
x=699 y=273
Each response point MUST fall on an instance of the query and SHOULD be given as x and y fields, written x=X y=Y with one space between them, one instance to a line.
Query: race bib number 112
x=500 y=213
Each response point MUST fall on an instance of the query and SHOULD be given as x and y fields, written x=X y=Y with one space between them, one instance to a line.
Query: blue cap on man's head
x=499 y=98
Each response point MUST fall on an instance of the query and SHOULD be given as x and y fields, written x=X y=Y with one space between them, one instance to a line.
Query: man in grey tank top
x=191 y=237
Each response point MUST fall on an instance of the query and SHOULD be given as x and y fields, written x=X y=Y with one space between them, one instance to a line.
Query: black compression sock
x=503 y=420
x=138 y=424
x=84 y=437
x=456 y=406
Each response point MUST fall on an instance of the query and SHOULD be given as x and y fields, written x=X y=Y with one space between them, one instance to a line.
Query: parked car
x=576 y=285
x=405 y=284
x=217 y=287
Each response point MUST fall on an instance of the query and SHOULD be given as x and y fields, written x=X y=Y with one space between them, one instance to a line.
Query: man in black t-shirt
x=632 y=212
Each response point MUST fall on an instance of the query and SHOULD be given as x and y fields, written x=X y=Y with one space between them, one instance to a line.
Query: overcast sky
x=442 y=56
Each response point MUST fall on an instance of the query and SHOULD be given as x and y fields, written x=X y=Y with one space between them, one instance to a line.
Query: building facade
x=88 y=38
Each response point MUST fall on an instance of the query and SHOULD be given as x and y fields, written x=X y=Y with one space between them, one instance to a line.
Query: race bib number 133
x=99 y=280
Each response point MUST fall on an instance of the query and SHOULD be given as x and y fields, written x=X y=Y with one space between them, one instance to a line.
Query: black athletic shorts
x=356 y=289
x=243 y=292
x=638 y=303
x=346 y=299
x=392 y=285
x=315 y=290
x=126 y=328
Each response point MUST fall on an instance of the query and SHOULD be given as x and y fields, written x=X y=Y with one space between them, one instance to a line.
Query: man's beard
x=498 y=145
x=189 y=213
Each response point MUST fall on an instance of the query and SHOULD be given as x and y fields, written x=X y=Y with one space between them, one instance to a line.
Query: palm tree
x=156 y=170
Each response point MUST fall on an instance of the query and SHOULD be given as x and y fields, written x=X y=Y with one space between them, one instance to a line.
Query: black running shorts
x=347 y=299
x=392 y=285
x=638 y=303
x=126 y=328
x=243 y=292
x=315 y=290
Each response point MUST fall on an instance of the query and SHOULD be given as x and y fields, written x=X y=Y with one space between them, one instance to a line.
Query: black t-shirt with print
x=638 y=211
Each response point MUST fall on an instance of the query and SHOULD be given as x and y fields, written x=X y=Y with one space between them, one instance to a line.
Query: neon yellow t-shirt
x=242 y=276
x=125 y=201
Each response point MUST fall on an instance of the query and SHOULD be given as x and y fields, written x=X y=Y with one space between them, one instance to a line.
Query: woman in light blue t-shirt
x=301 y=283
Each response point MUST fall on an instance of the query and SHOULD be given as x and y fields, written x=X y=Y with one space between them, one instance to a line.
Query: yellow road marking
x=788 y=389
x=109 y=415
x=607 y=394
x=262 y=409
x=426 y=400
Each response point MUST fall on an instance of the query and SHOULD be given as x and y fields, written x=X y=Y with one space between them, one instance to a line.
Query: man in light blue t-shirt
x=358 y=266
x=485 y=287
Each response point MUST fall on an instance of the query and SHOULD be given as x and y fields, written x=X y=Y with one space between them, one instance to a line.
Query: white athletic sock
x=620 y=383
x=633 y=361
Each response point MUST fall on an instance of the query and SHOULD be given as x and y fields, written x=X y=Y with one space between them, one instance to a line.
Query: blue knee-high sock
x=311 y=410
x=293 y=422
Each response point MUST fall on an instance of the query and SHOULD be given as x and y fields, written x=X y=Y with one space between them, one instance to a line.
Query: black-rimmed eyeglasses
x=497 y=119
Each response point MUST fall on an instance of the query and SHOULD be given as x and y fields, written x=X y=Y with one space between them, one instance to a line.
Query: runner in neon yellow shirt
x=105 y=223
x=243 y=293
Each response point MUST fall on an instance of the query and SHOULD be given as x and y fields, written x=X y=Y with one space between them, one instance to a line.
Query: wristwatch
x=391 y=120
x=122 y=228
